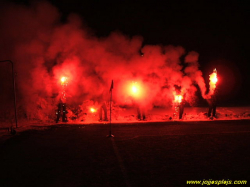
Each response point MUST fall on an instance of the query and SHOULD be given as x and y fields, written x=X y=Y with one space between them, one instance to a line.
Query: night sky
x=217 y=30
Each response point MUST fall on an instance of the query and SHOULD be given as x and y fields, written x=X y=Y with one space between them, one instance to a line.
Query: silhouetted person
x=103 y=110
x=61 y=111
x=180 y=104
x=212 y=102
x=101 y=100
x=140 y=112
x=212 y=106
x=181 y=107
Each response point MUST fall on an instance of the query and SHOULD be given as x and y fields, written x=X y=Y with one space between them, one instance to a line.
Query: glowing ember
x=178 y=98
x=213 y=80
x=92 y=110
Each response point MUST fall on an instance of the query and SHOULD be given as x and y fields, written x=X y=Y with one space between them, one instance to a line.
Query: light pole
x=14 y=87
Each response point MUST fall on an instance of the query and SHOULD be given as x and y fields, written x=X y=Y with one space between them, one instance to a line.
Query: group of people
x=103 y=114
x=103 y=111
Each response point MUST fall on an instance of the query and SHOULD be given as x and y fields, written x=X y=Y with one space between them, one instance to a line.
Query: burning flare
x=63 y=92
x=135 y=90
x=92 y=110
x=178 y=105
x=178 y=99
x=64 y=80
x=213 y=80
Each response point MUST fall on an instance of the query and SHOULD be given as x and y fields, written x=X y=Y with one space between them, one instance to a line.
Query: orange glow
x=178 y=98
x=92 y=110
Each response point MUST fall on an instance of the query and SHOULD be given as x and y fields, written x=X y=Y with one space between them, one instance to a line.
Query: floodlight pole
x=14 y=87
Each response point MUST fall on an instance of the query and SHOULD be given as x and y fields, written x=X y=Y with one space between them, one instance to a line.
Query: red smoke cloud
x=44 y=50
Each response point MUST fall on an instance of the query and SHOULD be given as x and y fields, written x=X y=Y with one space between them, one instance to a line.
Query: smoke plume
x=44 y=49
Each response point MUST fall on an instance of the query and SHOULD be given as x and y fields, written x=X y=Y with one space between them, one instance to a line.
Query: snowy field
x=190 y=114
x=129 y=115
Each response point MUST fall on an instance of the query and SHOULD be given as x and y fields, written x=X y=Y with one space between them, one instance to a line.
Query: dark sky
x=217 y=30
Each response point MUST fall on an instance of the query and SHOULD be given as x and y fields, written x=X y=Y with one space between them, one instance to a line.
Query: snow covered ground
x=129 y=115
x=190 y=114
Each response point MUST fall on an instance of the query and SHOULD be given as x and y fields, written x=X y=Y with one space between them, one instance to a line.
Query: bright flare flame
x=178 y=98
x=135 y=89
x=213 y=77
x=64 y=80
x=213 y=80
x=63 y=92
x=92 y=110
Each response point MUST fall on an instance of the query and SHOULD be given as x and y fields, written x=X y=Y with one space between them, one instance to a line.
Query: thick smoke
x=44 y=50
